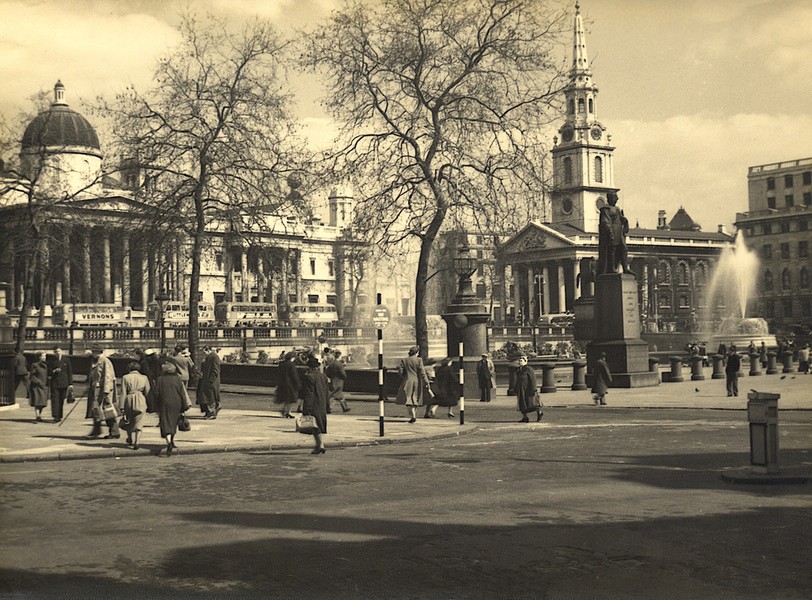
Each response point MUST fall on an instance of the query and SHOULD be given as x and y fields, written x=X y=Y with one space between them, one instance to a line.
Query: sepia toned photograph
x=405 y=299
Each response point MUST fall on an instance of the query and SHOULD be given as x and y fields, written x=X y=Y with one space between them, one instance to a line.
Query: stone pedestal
x=789 y=367
x=584 y=324
x=548 y=378
x=578 y=375
x=755 y=365
x=466 y=321
x=676 y=369
x=718 y=366
x=772 y=364
x=616 y=332
x=696 y=369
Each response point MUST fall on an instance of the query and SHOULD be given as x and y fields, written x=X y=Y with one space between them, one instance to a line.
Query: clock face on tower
x=566 y=206
x=596 y=133
x=566 y=134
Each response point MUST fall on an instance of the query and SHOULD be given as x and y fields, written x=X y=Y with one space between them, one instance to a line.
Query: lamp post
x=73 y=319
x=539 y=279
x=465 y=265
x=162 y=297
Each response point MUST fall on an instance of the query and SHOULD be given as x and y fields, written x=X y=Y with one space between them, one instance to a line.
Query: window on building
x=331 y=298
x=804 y=278
x=292 y=298
x=768 y=280
x=803 y=225
x=663 y=273
x=806 y=307
x=807 y=198
x=580 y=105
x=682 y=274
x=784 y=226
x=591 y=106
x=770 y=201
x=568 y=170
x=665 y=301
x=748 y=231
x=785 y=279
x=786 y=305
x=598 y=169
x=769 y=308
x=218 y=259
x=787 y=181
x=803 y=249
x=480 y=290
x=312 y=266
x=571 y=107
x=683 y=301
x=768 y=228
x=767 y=251
x=313 y=298
x=785 y=251
x=807 y=177
x=701 y=274
x=771 y=183
x=789 y=200
x=331 y=268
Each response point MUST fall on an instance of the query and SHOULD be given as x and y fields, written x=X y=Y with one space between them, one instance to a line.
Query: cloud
x=700 y=162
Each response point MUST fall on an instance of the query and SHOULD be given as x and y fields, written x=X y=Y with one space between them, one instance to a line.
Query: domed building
x=60 y=151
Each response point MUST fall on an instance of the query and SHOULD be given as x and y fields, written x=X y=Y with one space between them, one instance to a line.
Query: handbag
x=109 y=411
x=124 y=422
x=306 y=424
x=183 y=423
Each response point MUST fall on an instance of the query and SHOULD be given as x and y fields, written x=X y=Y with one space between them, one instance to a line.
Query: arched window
x=571 y=109
x=665 y=301
x=804 y=278
x=591 y=106
x=682 y=274
x=580 y=105
x=568 y=170
x=768 y=281
x=785 y=279
x=598 y=169
x=701 y=274
x=664 y=273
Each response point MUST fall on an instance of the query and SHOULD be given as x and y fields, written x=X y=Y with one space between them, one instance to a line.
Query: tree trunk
x=421 y=280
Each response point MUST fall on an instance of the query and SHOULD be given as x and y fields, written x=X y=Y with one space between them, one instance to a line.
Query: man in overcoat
x=208 y=388
x=60 y=374
x=603 y=377
x=101 y=392
x=486 y=377
x=21 y=374
x=734 y=363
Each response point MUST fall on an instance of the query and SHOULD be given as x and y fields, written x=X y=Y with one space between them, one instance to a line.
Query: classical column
x=144 y=278
x=531 y=297
x=11 y=302
x=517 y=291
x=545 y=274
x=67 y=290
x=246 y=279
x=503 y=290
x=562 y=289
x=107 y=272
x=86 y=270
x=180 y=271
x=284 y=283
x=152 y=274
x=576 y=290
x=125 y=270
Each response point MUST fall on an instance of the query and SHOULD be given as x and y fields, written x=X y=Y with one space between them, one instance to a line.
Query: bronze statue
x=612 y=229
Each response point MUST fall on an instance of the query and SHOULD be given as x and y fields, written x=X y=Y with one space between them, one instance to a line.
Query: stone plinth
x=616 y=332
x=466 y=321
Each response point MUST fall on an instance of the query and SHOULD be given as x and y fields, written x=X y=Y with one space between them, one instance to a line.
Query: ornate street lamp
x=162 y=297
x=465 y=264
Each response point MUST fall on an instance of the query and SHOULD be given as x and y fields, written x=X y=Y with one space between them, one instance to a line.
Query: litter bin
x=762 y=413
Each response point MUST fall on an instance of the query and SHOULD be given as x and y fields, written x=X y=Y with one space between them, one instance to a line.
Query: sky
x=693 y=92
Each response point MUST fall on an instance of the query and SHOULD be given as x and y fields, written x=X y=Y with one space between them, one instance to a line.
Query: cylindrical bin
x=762 y=413
x=548 y=378
x=578 y=375
x=718 y=366
x=676 y=369
x=772 y=363
x=653 y=364
x=789 y=367
x=755 y=365
x=696 y=369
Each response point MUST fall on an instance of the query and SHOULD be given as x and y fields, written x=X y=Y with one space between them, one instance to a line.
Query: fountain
x=732 y=284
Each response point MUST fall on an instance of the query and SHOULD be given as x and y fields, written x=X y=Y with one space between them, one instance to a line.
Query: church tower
x=583 y=171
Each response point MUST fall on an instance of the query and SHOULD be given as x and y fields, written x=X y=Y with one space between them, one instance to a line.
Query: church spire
x=580 y=58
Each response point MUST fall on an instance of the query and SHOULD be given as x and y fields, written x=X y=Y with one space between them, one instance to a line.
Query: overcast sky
x=693 y=92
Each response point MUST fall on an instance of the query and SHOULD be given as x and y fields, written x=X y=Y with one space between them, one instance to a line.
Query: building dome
x=62 y=127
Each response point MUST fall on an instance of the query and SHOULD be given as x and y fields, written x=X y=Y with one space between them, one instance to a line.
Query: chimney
x=722 y=228
x=661 y=224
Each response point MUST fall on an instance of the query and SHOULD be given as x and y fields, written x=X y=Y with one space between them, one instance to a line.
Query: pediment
x=534 y=237
x=110 y=204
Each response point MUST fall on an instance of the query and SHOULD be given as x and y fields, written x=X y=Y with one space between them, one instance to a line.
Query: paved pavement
x=262 y=428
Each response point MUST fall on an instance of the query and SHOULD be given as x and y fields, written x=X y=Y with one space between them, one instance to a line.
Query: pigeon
x=783 y=376
x=696 y=389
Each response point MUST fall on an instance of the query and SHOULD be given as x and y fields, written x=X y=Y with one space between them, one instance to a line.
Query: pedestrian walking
x=486 y=376
x=414 y=382
x=184 y=364
x=603 y=377
x=60 y=373
x=102 y=404
x=170 y=402
x=38 y=390
x=208 y=388
x=21 y=374
x=287 y=390
x=315 y=391
x=527 y=396
x=803 y=359
x=734 y=363
x=135 y=387
x=446 y=390
x=337 y=375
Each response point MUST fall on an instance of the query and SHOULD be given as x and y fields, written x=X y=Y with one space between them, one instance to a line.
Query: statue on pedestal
x=612 y=229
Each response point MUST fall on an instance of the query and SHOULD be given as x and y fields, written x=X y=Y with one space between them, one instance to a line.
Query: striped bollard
x=462 y=386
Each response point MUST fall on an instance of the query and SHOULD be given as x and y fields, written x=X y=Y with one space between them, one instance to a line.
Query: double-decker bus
x=89 y=315
x=234 y=314
x=311 y=314
x=176 y=314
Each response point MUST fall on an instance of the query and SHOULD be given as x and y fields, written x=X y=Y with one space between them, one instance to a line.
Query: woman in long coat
x=208 y=388
x=135 y=386
x=38 y=398
x=446 y=390
x=287 y=391
x=526 y=392
x=414 y=381
x=170 y=400
x=315 y=389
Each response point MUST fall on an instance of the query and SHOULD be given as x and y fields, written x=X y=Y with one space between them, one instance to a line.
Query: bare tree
x=441 y=104
x=214 y=136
